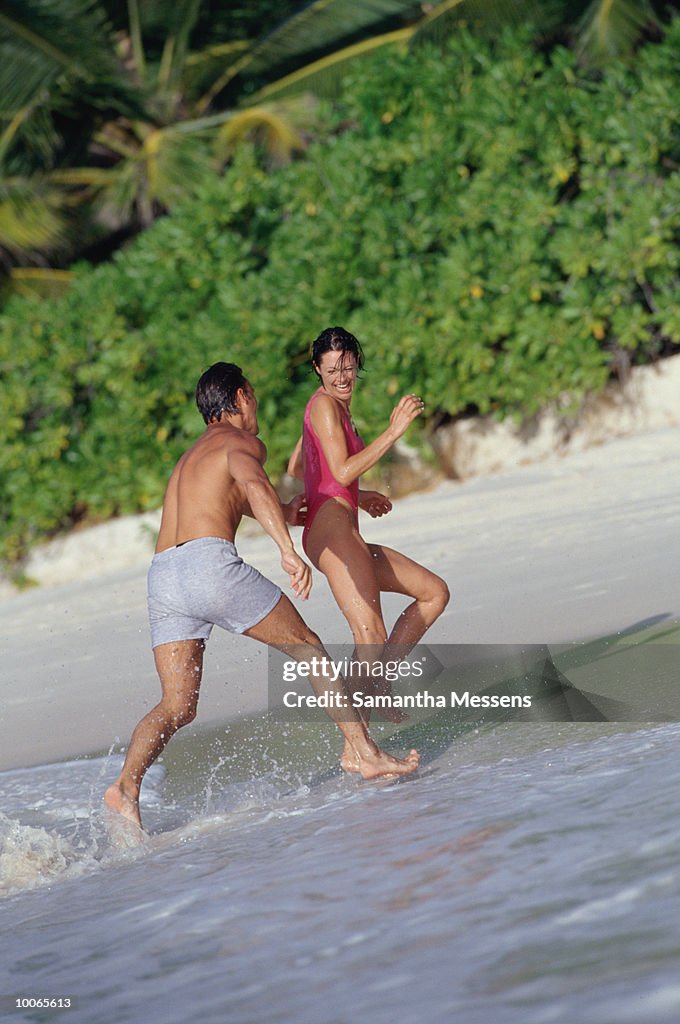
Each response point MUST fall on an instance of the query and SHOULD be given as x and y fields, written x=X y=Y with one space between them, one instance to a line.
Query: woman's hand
x=295 y=511
x=404 y=413
x=375 y=503
x=326 y=418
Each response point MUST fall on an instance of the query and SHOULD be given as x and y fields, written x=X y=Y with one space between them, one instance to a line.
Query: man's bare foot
x=116 y=800
x=379 y=765
x=349 y=760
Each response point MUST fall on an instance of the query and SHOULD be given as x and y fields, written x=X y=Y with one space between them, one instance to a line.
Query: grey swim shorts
x=203 y=583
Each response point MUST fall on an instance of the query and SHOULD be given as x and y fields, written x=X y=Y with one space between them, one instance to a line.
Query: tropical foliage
x=110 y=115
x=498 y=226
x=113 y=111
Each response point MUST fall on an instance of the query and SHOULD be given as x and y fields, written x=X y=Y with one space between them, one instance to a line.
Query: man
x=197 y=580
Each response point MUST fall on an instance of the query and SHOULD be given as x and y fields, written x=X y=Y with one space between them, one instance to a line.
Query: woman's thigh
x=398 y=574
x=338 y=550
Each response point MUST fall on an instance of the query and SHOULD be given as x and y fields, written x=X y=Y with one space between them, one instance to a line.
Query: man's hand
x=295 y=511
x=299 y=572
x=375 y=503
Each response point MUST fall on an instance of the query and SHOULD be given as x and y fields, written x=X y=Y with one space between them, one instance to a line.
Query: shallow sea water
x=529 y=873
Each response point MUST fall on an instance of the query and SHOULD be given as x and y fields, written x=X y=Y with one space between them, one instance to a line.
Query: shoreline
x=572 y=548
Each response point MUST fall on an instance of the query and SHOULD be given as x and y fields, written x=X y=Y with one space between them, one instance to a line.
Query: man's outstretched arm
x=265 y=506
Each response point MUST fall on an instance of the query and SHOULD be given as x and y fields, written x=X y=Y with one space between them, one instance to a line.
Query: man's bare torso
x=202 y=498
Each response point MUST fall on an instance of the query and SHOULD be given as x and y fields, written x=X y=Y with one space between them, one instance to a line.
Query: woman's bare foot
x=376 y=764
x=116 y=800
x=386 y=711
x=390 y=714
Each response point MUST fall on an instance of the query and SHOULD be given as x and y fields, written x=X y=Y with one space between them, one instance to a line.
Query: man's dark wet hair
x=216 y=390
x=336 y=339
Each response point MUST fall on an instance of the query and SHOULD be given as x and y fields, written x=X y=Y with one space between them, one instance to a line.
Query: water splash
x=31 y=856
x=53 y=825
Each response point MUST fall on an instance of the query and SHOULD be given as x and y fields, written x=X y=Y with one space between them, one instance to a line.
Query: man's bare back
x=220 y=479
x=202 y=498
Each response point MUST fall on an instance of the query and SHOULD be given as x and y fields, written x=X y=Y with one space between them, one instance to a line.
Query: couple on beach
x=197 y=580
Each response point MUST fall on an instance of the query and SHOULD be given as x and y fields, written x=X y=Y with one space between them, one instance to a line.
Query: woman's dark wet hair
x=217 y=388
x=336 y=339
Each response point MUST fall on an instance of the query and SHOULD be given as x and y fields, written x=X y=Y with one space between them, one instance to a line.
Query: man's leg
x=180 y=667
x=284 y=629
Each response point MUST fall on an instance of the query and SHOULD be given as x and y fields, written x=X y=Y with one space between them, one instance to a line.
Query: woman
x=330 y=457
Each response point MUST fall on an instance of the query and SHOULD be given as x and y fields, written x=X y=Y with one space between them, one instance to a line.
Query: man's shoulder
x=228 y=436
x=242 y=441
x=223 y=443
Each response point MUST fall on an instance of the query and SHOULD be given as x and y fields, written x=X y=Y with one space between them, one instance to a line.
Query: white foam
x=54 y=826
x=31 y=856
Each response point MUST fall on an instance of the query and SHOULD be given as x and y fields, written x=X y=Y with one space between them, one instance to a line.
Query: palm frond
x=323 y=77
x=39 y=282
x=136 y=42
x=486 y=15
x=167 y=167
x=40 y=43
x=234 y=68
x=11 y=128
x=32 y=217
x=203 y=68
x=323 y=23
x=264 y=126
x=437 y=22
x=183 y=16
x=88 y=178
x=610 y=28
x=316 y=26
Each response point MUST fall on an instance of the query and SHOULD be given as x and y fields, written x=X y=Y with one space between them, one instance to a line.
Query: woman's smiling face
x=338 y=372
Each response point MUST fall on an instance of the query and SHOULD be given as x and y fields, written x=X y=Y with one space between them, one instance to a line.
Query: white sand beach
x=573 y=548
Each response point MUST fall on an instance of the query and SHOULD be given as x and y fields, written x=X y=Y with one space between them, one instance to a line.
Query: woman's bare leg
x=357 y=573
x=339 y=551
x=396 y=573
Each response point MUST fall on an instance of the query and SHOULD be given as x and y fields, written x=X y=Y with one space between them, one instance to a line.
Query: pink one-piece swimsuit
x=320 y=484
